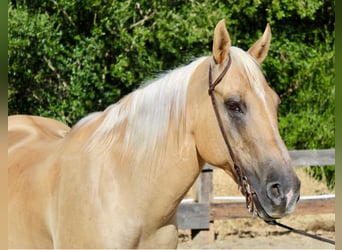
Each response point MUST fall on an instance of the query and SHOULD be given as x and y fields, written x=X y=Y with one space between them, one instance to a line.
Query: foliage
x=70 y=58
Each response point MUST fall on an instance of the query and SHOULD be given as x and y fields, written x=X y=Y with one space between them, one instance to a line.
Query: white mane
x=141 y=119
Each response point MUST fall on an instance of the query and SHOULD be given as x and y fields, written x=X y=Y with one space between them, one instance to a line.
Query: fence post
x=204 y=193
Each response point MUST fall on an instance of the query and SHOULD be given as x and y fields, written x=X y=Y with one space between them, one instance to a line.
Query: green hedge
x=70 y=58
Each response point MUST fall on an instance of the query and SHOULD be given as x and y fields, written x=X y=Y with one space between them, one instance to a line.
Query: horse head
x=238 y=130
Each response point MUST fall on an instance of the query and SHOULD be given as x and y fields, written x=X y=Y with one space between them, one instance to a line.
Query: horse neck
x=161 y=174
x=165 y=175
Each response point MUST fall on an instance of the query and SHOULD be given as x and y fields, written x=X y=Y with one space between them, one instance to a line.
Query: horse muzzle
x=277 y=200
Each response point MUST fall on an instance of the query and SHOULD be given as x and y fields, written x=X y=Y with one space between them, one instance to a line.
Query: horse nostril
x=275 y=190
x=275 y=193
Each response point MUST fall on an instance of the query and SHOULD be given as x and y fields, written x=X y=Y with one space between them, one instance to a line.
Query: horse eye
x=234 y=106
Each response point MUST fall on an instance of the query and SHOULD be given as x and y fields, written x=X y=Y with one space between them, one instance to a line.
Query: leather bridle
x=242 y=179
x=253 y=205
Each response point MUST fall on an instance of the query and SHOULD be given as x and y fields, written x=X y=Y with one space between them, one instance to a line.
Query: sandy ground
x=253 y=233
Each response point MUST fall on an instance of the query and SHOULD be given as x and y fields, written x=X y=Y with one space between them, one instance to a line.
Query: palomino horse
x=116 y=178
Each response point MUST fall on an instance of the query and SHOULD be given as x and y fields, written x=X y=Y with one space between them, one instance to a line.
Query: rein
x=243 y=183
x=291 y=229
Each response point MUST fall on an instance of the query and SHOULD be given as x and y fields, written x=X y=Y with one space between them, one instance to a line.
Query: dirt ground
x=253 y=233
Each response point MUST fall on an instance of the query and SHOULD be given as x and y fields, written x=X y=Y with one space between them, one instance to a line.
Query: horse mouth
x=260 y=211
x=253 y=202
x=272 y=200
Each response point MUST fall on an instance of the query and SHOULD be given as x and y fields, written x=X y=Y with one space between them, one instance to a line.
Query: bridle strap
x=211 y=89
x=242 y=179
x=212 y=84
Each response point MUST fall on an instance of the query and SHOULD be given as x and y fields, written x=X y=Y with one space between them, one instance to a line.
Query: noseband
x=243 y=183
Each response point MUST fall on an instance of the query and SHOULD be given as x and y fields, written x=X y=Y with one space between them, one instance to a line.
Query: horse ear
x=260 y=48
x=221 y=43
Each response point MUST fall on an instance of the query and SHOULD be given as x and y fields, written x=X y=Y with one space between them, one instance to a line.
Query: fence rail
x=198 y=215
